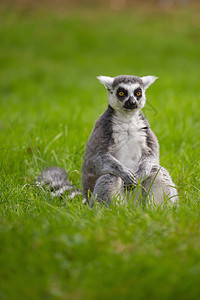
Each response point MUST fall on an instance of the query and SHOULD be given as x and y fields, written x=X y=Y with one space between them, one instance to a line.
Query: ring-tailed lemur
x=122 y=149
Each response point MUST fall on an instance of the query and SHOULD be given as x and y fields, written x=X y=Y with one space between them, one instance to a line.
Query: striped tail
x=56 y=180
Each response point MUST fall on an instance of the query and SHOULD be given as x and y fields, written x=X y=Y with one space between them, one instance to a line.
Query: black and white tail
x=56 y=180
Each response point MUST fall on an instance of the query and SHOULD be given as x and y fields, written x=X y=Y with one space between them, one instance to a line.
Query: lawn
x=50 y=100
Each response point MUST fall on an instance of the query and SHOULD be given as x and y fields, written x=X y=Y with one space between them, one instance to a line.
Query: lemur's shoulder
x=101 y=136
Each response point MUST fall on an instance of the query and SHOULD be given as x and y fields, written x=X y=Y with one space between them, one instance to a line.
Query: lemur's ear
x=106 y=81
x=148 y=80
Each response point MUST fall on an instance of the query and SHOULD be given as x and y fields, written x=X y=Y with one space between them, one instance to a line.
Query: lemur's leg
x=106 y=187
x=158 y=186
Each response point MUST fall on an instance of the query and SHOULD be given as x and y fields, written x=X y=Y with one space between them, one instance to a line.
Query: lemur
x=122 y=150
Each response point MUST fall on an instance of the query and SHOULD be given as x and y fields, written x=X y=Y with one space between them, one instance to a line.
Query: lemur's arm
x=150 y=157
x=146 y=166
x=105 y=163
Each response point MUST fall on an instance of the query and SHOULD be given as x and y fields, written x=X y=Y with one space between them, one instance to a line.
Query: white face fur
x=127 y=96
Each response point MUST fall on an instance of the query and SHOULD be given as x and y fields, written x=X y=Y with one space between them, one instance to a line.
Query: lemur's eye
x=138 y=92
x=121 y=93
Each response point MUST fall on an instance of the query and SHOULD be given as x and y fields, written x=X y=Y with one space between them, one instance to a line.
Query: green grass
x=50 y=99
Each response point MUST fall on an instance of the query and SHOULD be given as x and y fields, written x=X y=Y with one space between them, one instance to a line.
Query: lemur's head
x=126 y=93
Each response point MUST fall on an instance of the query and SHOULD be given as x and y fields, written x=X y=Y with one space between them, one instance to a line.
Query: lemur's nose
x=132 y=102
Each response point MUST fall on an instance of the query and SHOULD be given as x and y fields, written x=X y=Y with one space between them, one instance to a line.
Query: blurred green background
x=50 y=55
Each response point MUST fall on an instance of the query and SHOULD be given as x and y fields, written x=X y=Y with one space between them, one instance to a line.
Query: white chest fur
x=129 y=140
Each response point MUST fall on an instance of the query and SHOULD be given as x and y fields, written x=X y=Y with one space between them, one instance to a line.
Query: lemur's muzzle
x=131 y=103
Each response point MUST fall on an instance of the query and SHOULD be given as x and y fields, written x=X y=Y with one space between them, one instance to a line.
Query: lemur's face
x=127 y=93
x=127 y=96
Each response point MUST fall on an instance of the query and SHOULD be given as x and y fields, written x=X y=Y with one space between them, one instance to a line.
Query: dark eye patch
x=138 y=93
x=122 y=93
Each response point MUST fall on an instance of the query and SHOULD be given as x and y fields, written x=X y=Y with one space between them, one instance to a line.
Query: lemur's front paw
x=130 y=180
x=135 y=182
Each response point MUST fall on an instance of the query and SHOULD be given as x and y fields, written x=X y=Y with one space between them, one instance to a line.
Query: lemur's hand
x=130 y=180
